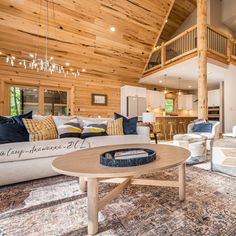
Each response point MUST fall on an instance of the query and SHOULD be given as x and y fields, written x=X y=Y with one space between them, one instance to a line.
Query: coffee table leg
x=92 y=206
x=83 y=184
x=182 y=182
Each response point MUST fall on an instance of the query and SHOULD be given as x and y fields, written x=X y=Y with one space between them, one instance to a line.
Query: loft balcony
x=221 y=47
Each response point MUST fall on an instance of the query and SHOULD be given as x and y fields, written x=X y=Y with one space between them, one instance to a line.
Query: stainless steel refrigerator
x=136 y=106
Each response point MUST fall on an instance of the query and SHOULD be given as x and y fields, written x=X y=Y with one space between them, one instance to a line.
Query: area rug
x=55 y=206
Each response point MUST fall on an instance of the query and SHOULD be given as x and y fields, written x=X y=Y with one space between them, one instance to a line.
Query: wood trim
x=180 y=56
x=169 y=64
x=2 y=86
x=217 y=53
x=159 y=34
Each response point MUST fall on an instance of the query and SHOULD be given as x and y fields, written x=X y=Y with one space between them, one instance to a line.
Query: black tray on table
x=127 y=157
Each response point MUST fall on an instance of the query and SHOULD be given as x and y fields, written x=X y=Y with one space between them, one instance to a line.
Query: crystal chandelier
x=45 y=64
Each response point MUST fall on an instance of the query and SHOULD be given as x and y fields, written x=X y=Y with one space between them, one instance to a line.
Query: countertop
x=176 y=116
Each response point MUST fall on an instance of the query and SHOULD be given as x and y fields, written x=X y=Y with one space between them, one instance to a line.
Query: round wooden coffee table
x=86 y=165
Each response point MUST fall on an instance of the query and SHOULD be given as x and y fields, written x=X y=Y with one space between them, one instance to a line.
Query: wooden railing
x=218 y=43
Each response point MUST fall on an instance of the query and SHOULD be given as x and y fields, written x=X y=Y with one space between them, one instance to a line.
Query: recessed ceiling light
x=67 y=63
x=112 y=29
x=160 y=81
x=189 y=86
x=83 y=70
x=166 y=20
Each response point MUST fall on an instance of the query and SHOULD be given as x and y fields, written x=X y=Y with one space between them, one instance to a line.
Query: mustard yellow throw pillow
x=41 y=129
x=115 y=127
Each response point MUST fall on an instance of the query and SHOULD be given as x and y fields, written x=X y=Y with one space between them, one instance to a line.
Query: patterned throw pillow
x=93 y=130
x=70 y=129
x=115 y=127
x=41 y=129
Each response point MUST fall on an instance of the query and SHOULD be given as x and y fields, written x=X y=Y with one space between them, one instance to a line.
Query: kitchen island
x=179 y=125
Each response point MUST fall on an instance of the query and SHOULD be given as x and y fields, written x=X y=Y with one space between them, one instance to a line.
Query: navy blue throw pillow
x=205 y=127
x=129 y=125
x=12 y=129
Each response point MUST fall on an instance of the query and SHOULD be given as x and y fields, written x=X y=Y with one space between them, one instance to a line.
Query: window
x=169 y=105
x=40 y=100
x=23 y=100
x=55 y=102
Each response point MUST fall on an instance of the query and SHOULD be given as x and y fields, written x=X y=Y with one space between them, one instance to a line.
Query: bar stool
x=171 y=125
x=157 y=130
x=181 y=127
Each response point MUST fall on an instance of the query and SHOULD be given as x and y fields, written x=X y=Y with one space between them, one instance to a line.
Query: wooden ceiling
x=79 y=33
x=179 y=12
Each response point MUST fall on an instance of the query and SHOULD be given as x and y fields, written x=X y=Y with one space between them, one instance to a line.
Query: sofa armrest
x=190 y=128
x=143 y=130
x=216 y=130
x=234 y=131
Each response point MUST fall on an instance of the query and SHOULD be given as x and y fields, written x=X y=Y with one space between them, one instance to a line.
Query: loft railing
x=233 y=53
x=185 y=43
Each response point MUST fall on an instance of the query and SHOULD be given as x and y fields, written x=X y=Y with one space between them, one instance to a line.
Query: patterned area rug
x=55 y=206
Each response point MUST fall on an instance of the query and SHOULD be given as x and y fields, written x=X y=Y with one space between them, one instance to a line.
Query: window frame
x=41 y=90
x=173 y=106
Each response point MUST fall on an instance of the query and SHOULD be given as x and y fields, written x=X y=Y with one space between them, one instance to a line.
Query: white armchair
x=234 y=131
x=214 y=134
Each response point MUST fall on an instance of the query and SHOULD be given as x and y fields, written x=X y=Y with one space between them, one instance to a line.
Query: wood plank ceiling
x=179 y=12
x=79 y=33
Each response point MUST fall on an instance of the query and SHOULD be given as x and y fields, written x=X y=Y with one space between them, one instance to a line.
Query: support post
x=202 y=58
x=163 y=54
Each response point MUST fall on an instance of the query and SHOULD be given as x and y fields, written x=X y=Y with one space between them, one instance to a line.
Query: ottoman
x=195 y=143
x=224 y=156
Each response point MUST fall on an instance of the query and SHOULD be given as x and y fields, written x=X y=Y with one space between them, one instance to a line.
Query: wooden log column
x=202 y=58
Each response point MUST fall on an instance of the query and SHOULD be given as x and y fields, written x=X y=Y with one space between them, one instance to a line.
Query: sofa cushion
x=93 y=130
x=129 y=125
x=70 y=129
x=117 y=140
x=40 y=149
x=205 y=127
x=41 y=129
x=115 y=127
x=12 y=129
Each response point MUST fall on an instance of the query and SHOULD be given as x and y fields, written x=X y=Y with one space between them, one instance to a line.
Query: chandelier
x=44 y=64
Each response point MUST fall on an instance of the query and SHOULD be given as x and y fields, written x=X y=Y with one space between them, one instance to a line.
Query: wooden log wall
x=79 y=33
x=80 y=89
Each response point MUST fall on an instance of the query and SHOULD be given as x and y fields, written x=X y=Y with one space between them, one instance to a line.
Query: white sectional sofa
x=32 y=160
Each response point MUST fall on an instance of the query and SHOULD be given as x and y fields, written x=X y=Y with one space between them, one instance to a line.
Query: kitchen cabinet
x=155 y=99
x=185 y=102
x=214 y=98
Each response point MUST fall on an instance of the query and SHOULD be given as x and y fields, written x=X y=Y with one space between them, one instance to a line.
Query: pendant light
x=179 y=92
x=165 y=90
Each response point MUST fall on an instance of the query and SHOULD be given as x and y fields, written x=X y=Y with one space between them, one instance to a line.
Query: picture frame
x=99 y=99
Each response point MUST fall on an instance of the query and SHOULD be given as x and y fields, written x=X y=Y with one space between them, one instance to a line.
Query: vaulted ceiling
x=79 y=32
x=179 y=12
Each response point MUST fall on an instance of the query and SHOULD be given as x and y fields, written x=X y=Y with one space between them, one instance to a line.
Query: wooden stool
x=157 y=130
x=181 y=126
x=171 y=129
